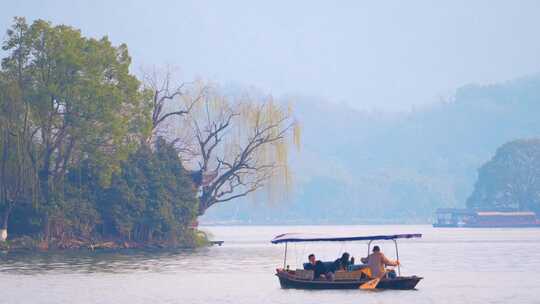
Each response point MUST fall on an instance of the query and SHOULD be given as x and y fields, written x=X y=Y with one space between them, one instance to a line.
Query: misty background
x=400 y=102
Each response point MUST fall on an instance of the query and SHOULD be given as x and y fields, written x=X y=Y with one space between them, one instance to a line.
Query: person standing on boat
x=377 y=262
x=318 y=268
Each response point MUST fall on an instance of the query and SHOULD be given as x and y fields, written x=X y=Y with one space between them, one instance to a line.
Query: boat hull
x=399 y=283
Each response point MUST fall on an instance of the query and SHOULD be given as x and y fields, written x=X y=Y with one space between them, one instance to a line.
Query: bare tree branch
x=163 y=92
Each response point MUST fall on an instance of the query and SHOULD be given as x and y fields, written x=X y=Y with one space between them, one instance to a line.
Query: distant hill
x=364 y=167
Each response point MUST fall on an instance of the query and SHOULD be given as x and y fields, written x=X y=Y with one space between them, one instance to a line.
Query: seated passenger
x=318 y=268
x=377 y=262
x=343 y=262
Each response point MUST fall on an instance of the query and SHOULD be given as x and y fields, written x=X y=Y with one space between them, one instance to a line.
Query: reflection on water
x=459 y=265
x=122 y=261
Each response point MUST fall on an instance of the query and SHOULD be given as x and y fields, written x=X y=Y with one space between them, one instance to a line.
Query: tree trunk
x=202 y=208
x=204 y=203
x=3 y=187
x=46 y=227
x=3 y=229
x=45 y=191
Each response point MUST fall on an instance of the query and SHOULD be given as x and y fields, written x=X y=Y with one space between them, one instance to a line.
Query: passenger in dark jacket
x=318 y=268
x=342 y=263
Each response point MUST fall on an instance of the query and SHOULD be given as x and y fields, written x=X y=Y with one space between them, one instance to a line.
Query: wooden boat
x=355 y=279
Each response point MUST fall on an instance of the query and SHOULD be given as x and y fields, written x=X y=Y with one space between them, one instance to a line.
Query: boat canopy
x=302 y=237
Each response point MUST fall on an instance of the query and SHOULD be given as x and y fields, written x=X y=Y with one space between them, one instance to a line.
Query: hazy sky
x=377 y=54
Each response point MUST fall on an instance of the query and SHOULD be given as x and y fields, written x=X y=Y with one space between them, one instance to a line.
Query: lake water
x=458 y=266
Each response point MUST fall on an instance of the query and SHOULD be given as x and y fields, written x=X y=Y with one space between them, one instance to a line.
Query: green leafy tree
x=79 y=95
x=152 y=197
x=79 y=156
x=17 y=176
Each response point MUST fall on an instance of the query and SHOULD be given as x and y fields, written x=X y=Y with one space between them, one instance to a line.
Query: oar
x=371 y=284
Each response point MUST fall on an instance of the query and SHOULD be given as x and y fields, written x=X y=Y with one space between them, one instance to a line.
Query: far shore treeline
x=91 y=154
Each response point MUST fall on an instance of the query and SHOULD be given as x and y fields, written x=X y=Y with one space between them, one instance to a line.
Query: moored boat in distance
x=355 y=277
x=467 y=218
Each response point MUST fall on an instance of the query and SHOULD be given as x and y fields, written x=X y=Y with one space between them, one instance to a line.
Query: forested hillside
x=511 y=179
x=376 y=167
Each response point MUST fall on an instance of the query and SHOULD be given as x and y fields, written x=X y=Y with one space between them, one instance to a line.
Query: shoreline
x=30 y=244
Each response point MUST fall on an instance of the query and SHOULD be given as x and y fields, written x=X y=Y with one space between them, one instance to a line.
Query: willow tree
x=236 y=145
